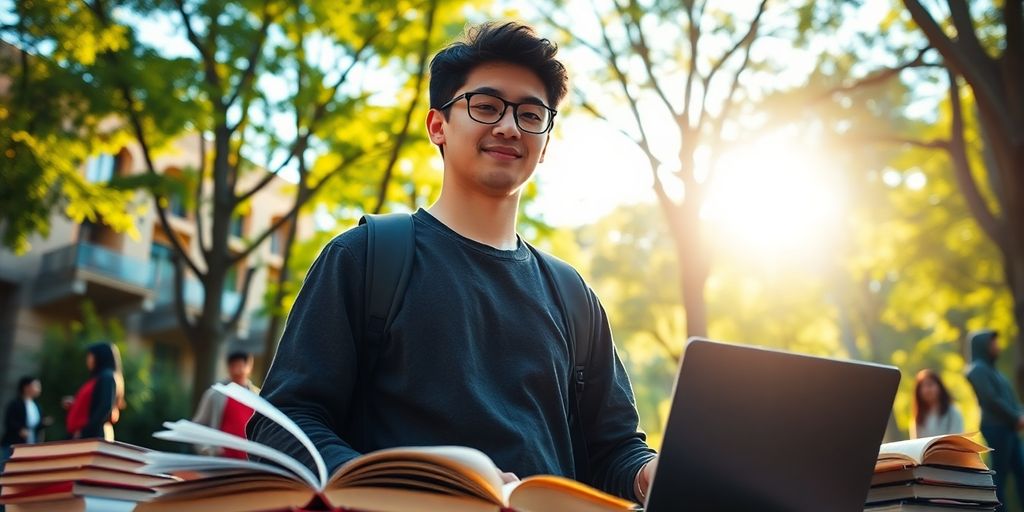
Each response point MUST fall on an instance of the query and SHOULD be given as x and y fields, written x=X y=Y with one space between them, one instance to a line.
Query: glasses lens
x=533 y=118
x=485 y=108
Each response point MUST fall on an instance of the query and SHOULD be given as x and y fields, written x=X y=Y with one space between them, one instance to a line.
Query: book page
x=260 y=405
x=469 y=463
x=186 y=431
x=571 y=494
x=161 y=462
x=404 y=500
x=920 y=451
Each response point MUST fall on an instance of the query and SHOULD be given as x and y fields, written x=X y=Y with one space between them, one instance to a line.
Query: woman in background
x=97 y=404
x=22 y=420
x=934 y=412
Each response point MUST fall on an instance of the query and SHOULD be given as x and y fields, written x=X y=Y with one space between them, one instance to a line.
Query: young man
x=225 y=414
x=477 y=354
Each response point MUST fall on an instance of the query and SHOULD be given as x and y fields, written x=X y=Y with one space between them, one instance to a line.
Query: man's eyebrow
x=494 y=92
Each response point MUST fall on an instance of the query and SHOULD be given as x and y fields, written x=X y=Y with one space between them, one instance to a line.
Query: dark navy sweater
x=477 y=356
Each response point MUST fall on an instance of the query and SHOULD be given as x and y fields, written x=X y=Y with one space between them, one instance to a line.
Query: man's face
x=493 y=159
x=239 y=370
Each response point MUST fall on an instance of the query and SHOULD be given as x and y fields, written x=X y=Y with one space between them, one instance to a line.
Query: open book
x=449 y=478
x=953 y=450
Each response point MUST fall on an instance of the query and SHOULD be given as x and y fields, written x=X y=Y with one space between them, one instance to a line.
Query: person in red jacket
x=97 y=405
x=226 y=414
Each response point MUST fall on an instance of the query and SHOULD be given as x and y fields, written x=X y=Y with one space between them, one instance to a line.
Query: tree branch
x=989 y=223
x=236 y=316
x=748 y=38
x=1013 y=17
x=179 y=297
x=730 y=101
x=418 y=89
x=943 y=144
x=693 y=29
x=881 y=76
x=254 y=56
x=748 y=41
x=294 y=210
x=664 y=344
x=971 y=62
x=640 y=46
x=966 y=38
x=302 y=137
x=550 y=19
x=200 y=236
x=612 y=58
x=209 y=63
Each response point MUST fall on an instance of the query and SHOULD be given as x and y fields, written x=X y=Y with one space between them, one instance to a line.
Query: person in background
x=935 y=413
x=97 y=404
x=23 y=422
x=226 y=414
x=1001 y=415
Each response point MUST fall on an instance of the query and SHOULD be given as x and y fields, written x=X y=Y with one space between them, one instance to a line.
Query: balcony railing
x=60 y=263
x=163 y=283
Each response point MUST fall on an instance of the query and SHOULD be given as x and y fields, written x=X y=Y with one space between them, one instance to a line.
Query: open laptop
x=766 y=430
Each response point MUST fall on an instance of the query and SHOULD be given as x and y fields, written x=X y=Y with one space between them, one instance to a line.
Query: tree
x=979 y=49
x=993 y=72
x=683 y=103
x=248 y=69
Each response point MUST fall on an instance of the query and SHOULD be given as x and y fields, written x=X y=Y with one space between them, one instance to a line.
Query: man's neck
x=488 y=220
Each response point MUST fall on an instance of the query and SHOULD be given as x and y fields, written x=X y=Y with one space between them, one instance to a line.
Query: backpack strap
x=575 y=302
x=390 y=242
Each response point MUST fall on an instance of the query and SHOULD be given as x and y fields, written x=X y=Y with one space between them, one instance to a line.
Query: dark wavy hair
x=25 y=381
x=944 y=400
x=510 y=42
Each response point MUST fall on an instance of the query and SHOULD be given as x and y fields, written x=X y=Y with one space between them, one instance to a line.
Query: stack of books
x=80 y=475
x=934 y=473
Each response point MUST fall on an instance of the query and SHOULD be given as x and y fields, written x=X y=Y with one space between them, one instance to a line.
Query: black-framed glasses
x=489 y=109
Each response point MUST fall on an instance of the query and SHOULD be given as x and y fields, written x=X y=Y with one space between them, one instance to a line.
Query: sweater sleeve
x=615 y=445
x=103 y=396
x=313 y=375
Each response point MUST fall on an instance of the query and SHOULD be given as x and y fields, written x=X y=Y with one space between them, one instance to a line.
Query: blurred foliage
x=153 y=390
x=48 y=129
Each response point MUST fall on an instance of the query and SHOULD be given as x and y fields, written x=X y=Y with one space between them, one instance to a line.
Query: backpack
x=390 y=246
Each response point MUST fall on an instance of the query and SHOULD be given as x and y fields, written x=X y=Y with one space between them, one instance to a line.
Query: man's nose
x=506 y=126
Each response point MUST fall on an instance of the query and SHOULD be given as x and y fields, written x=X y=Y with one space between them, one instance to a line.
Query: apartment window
x=231 y=279
x=237 y=226
x=161 y=264
x=100 y=168
x=278 y=237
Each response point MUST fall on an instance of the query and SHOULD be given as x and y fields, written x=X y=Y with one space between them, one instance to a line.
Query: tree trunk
x=205 y=350
x=691 y=253
x=1015 y=278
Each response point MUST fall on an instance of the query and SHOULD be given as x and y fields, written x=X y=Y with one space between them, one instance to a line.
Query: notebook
x=766 y=430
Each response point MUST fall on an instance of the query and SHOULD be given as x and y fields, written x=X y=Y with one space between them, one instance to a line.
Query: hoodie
x=995 y=394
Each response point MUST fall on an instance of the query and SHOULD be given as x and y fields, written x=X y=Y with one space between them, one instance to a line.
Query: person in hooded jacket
x=97 y=405
x=1001 y=413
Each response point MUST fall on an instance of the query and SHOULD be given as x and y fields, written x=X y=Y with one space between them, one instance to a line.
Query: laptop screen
x=758 y=429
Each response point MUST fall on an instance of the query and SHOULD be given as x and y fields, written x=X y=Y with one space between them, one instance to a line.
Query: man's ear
x=544 y=150
x=435 y=127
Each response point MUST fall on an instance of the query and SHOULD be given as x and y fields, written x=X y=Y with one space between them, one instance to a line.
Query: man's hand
x=1020 y=422
x=643 y=480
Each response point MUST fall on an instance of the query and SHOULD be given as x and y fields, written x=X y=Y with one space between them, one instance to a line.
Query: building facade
x=131 y=278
